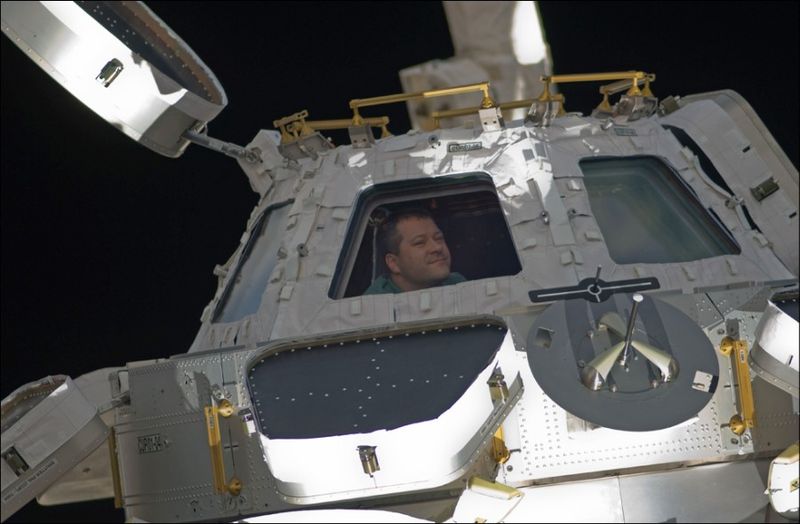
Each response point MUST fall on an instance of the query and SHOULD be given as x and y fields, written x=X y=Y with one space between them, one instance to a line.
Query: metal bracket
x=542 y=112
x=361 y=137
x=594 y=289
x=498 y=389
x=631 y=108
x=491 y=119
x=305 y=146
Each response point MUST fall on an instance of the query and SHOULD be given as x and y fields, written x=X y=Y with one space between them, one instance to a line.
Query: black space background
x=107 y=248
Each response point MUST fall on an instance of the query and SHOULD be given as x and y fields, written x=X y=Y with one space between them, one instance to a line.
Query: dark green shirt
x=384 y=284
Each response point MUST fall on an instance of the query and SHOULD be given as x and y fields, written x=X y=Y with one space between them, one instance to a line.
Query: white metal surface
x=776 y=350
x=45 y=433
x=501 y=42
x=146 y=104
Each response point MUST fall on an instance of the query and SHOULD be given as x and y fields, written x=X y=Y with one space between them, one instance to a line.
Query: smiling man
x=416 y=254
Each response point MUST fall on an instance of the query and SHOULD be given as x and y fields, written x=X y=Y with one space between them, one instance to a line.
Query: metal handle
x=626 y=352
x=212 y=413
x=483 y=87
x=738 y=350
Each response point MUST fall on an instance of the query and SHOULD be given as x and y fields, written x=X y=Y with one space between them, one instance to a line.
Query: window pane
x=242 y=296
x=648 y=215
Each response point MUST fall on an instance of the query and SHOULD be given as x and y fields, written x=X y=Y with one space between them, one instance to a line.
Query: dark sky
x=108 y=248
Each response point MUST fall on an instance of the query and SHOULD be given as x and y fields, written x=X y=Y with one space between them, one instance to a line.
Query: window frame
x=372 y=197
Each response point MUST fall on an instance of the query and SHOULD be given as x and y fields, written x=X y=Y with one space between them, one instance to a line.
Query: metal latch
x=15 y=461
x=110 y=72
x=369 y=460
x=498 y=389
x=764 y=189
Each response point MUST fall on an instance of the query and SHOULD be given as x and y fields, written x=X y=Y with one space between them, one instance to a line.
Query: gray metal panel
x=728 y=492
x=166 y=415
x=591 y=501
x=697 y=306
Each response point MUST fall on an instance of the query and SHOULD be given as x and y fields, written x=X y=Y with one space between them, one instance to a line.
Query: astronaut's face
x=422 y=259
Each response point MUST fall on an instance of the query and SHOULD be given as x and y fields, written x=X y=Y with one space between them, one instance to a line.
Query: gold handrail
x=212 y=414
x=464 y=111
x=357 y=103
x=737 y=350
x=632 y=76
x=294 y=127
x=344 y=123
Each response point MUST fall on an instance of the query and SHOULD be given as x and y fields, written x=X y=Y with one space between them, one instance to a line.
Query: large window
x=648 y=214
x=464 y=207
x=242 y=295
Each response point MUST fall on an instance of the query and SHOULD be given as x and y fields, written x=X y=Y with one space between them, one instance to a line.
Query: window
x=242 y=295
x=649 y=215
x=431 y=371
x=464 y=207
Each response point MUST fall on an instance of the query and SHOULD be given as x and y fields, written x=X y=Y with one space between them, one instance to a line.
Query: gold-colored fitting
x=737 y=350
x=726 y=346
x=293 y=126
x=605 y=105
x=500 y=452
x=546 y=96
x=234 y=486
x=646 y=90
x=225 y=408
x=737 y=425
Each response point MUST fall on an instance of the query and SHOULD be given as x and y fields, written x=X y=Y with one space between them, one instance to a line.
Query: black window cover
x=368 y=384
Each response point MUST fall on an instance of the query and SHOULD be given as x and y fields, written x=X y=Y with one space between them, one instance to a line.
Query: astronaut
x=416 y=256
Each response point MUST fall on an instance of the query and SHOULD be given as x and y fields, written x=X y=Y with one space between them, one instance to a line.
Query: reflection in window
x=243 y=293
x=464 y=207
x=649 y=215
